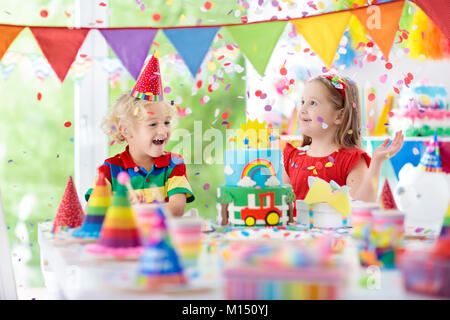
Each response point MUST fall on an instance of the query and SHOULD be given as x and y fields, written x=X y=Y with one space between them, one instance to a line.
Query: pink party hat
x=431 y=159
x=70 y=213
x=149 y=86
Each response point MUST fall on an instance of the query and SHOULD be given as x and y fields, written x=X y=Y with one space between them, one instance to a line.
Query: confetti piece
x=283 y=71
x=371 y=57
x=39 y=96
x=206 y=186
x=156 y=17
x=268 y=107
x=112 y=142
x=415 y=151
x=102 y=4
x=67 y=124
x=320 y=119
x=324 y=125
x=350 y=131
x=371 y=97
x=328 y=164
x=383 y=78
x=44 y=13
x=224 y=115
x=244 y=19
x=388 y=66
x=354 y=104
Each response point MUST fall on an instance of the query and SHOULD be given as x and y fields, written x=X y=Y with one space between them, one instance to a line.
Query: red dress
x=336 y=166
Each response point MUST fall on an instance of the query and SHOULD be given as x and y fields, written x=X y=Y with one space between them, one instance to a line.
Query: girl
x=330 y=122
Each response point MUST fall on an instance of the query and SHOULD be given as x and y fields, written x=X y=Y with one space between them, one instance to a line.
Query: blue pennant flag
x=192 y=44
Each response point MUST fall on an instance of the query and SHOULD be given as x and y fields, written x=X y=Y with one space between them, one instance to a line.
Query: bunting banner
x=439 y=12
x=381 y=23
x=59 y=46
x=323 y=33
x=192 y=44
x=7 y=36
x=131 y=46
x=257 y=41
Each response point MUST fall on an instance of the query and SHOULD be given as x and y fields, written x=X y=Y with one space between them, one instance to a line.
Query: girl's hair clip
x=338 y=83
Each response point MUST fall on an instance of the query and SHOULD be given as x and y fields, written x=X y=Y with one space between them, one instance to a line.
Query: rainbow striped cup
x=362 y=219
x=186 y=236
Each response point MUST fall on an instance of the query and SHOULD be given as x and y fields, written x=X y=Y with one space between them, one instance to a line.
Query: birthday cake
x=422 y=111
x=253 y=194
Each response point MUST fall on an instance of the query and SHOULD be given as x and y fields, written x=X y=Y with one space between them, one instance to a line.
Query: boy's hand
x=382 y=152
x=137 y=198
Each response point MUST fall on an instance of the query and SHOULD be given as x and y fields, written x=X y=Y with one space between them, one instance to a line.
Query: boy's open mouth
x=158 y=141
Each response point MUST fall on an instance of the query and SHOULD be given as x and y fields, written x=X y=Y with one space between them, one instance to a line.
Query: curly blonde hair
x=348 y=135
x=124 y=111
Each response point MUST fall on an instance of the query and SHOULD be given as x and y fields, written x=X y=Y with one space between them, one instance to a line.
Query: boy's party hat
x=445 y=231
x=119 y=235
x=160 y=264
x=70 y=213
x=431 y=159
x=97 y=206
x=386 y=197
x=149 y=86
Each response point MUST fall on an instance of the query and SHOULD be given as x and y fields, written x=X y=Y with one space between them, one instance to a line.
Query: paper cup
x=186 y=235
x=362 y=219
x=147 y=217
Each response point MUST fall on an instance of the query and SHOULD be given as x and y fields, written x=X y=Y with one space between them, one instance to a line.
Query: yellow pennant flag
x=7 y=36
x=381 y=23
x=381 y=129
x=323 y=33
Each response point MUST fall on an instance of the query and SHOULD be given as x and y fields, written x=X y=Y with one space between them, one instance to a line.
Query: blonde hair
x=124 y=111
x=348 y=134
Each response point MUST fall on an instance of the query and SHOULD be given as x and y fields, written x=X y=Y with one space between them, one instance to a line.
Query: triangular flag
x=383 y=120
x=439 y=12
x=323 y=33
x=60 y=46
x=7 y=36
x=382 y=25
x=431 y=159
x=70 y=213
x=192 y=44
x=257 y=41
x=387 y=198
x=131 y=46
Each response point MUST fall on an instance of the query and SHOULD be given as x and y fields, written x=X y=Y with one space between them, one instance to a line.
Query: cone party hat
x=149 y=86
x=160 y=264
x=98 y=204
x=119 y=236
x=431 y=159
x=387 y=199
x=70 y=213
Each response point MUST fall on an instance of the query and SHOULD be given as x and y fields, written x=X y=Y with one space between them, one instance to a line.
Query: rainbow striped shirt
x=167 y=176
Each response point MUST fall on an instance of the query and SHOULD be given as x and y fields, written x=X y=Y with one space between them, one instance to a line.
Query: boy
x=142 y=118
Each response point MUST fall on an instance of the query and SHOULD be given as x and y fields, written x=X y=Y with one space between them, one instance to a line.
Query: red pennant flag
x=60 y=46
x=439 y=12
x=7 y=36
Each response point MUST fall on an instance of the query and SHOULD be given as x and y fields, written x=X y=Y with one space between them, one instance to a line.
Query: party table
x=71 y=273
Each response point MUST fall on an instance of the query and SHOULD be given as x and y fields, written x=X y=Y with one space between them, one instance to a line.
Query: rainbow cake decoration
x=96 y=210
x=119 y=236
x=70 y=214
x=159 y=264
x=422 y=110
x=326 y=205
x=253 y=194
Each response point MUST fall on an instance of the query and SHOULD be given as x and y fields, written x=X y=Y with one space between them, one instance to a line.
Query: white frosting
x=272 y=182
x=246 y=182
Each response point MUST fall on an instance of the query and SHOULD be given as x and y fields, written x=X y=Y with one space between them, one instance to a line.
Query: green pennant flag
x=257 y=41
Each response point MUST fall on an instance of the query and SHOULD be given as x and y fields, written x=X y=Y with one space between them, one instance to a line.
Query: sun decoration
x=253 y=134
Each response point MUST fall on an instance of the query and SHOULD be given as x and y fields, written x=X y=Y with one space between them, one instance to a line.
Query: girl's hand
x=382 y=152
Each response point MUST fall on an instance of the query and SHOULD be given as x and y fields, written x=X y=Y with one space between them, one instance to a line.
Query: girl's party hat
x=149 y=86
x=97 y=206
x=387 y=199
x=160 y=264
x=119 y=236
x=431 y=159
x=70 y=213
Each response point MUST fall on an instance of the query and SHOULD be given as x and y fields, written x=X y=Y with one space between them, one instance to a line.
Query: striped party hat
x=445 y=231
x=159 y=264
x=70 y=213
x=119 y=236
x=96 y=210
x=431 y=159
x=148 y=85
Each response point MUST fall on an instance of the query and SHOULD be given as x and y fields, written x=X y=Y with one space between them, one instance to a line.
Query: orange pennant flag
x=7 y=36
x=323 y=33
x=381 y=23
x=60 y=46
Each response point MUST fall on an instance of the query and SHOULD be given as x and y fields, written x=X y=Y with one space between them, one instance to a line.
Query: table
x=71 y=273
